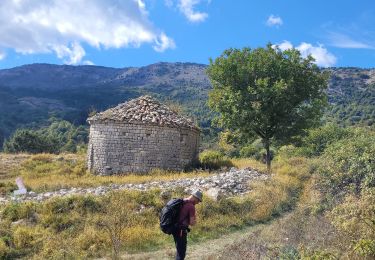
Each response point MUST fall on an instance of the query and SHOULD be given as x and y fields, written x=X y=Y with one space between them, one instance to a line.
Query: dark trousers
x=180 y=240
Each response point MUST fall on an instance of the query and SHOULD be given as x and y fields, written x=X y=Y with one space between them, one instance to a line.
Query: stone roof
x=143 y=110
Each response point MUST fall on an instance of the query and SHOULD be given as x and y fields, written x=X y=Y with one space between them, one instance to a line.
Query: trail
x=262 y=241
x=209 y=249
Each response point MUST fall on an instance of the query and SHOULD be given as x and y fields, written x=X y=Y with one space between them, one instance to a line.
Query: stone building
x=141 y=135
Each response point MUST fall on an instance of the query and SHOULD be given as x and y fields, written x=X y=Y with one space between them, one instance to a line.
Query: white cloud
x=187 y=8
x=321 y=55
x=285 y=45
x=88 y=62
x=344 y=41
x=62 y=26
x=74 y=53
x=2 y=55
x=163 y=43
x=274 y=21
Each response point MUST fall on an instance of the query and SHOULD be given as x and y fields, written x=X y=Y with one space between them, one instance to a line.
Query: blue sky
x=123 y=33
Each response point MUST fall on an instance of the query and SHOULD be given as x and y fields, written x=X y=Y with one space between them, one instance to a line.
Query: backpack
x=169 y=216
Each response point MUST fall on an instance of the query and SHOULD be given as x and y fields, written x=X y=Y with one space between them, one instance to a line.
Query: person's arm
x=192 y=219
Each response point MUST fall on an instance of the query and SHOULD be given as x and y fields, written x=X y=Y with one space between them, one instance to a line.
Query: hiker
x=186 y=218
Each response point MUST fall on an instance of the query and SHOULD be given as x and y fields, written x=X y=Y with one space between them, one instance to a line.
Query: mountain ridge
x=30 y=94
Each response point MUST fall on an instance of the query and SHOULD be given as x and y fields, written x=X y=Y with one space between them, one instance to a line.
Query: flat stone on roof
x=143 y=110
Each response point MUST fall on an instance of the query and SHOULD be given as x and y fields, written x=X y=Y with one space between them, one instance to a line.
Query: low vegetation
x=325 y=187
x=334 y=217
x=48 y=172
x=87 y=226
x=59 y=136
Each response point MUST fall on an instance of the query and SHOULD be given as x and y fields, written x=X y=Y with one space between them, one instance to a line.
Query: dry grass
x=242 y=163
x=72 y=220
x=297 y=235
x=10 y=162
x=47 y=172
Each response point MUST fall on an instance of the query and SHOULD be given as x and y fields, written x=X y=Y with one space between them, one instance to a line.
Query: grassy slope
x=62 y=219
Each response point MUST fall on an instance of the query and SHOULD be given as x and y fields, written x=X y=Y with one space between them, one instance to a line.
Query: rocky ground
x=228 y=183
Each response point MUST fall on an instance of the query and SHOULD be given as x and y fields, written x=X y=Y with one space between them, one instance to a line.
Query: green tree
x=267 y=92
x=59 y=136
x=24 y=140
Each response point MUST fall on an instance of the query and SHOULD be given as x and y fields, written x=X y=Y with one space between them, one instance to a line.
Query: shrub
x=289 y=253
x=356 y=218
x=29 y=141
x=118 y=216
x=59 y=136
x=320 y=138
x=17 y=211
x=317 y=254
x=4 y=250
x=213 y=160
x=92 y=242
x=349 y=165
x=28 y=239
x=254 y=150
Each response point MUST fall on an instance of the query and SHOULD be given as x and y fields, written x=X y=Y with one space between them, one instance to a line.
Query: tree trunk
x=266 y=143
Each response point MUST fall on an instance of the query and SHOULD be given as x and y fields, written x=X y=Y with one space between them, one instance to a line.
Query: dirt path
x=205 y=250
x=262 y=241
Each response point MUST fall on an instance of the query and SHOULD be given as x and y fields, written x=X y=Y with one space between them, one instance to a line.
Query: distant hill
x=351 y=95
x=30 y=94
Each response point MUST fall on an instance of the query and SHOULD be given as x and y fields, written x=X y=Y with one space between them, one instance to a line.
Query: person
x=186 y=218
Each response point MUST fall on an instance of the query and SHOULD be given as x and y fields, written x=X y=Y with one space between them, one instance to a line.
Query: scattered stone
x=19 y=222
x=230 y=183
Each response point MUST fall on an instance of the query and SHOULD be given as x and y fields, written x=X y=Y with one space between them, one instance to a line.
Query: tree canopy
x=267 y=92
x=59 y=136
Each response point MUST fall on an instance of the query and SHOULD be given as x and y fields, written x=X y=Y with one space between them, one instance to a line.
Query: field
x=311 y=207
x=48 y=172
x=86 y=225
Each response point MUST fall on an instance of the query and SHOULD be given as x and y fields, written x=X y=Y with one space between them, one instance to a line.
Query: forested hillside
x=31 y=94
x=351 y=96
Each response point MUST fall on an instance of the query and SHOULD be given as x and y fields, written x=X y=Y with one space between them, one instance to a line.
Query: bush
x=320 y=138
x=4 y=250
x=356 y=218
x=28 y=238
x=213 y=160
x=29 y=141
x=348 y=165
x=16 y=211
x=59 y=136
x=92 y=242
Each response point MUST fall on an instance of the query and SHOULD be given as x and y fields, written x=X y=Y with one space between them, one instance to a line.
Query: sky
x=133 y=33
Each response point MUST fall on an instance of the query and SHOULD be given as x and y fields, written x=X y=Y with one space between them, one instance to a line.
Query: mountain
x=31 y=94
x=351 y=95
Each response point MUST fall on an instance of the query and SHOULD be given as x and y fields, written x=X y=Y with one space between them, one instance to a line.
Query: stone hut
x=141 y=135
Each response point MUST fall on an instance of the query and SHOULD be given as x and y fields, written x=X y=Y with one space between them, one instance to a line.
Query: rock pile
x=230 y=183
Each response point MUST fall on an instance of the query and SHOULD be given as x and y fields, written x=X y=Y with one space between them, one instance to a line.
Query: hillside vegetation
x=325 y=187
x=31 y=94
x=318 y=201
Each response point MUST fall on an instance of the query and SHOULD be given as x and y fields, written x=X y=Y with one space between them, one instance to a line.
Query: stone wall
x=122 y=147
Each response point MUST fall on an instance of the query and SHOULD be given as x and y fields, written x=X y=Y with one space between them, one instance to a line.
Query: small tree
x=267 y=92
x=119 y=214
